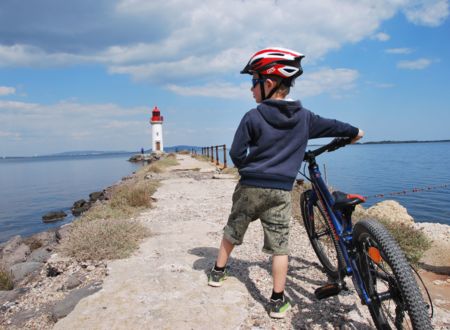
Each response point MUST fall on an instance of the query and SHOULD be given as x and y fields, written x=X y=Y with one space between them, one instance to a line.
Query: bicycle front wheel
x=321 y=235
x=396 y=302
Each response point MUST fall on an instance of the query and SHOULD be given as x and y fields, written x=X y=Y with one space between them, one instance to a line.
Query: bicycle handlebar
x=335 y=144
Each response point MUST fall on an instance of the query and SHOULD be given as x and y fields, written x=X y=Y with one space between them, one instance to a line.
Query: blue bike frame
x=341 y=227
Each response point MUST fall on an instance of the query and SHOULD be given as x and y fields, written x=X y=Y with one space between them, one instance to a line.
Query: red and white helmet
x=275 y=61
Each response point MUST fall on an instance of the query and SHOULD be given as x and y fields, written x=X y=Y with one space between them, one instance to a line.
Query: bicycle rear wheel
x=396 y=302
x=321 y=235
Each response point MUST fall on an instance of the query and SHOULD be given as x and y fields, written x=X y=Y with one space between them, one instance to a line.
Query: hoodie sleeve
x=242 y=137
x=323 y=127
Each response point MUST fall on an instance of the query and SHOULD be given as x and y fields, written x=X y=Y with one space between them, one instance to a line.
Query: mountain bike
x=366 y=252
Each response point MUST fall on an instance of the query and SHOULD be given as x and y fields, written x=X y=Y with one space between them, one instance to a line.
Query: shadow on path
x=310 y=311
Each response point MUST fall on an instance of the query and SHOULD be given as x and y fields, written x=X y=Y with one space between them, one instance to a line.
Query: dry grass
x=126 y=200
x=230 y=170
x=6 y=281
x=107 y=230
x=412 y=241
x=184 y=152
x=104 y=239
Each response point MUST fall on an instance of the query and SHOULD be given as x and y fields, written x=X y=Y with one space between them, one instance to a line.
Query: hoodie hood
x=280 y=113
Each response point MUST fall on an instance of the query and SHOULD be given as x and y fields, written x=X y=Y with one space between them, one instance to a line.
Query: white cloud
x=418 y=64
x=180 y=40
x=399 y=51
x=381 y=36
x=427 y=12
x=216 y=90
x=71 y=126
x=336 y=82
x=331 y=81
x=5 y=90
x=6 y=134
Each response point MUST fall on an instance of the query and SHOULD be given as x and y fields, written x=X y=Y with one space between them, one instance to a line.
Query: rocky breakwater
x=37 y=285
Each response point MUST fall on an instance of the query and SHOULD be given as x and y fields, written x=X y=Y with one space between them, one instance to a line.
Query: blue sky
x=85 y=75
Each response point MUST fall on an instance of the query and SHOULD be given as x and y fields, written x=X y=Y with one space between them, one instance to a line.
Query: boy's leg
x=279 y=272
x=234 y=232
x=275 y=222
x=224 y=252
x=219 y=273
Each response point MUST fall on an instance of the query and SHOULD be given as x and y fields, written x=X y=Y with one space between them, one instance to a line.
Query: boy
x=268 y=149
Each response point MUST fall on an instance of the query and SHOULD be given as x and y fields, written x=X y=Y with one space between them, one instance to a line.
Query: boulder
x=53 y=216
x=40 y=255
x=79 y=207
x=44 y=238
x=23 y=269
x=12 y=244
x=97 y=196
x=65 y=306
x=63 y=232
x=15 y=254
x=72 y=282
x=390 y=210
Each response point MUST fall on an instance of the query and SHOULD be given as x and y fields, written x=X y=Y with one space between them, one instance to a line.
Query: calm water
x=384 y=168
x=31 y=187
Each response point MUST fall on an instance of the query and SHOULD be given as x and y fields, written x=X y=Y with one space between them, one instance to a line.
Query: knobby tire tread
x=401 y=269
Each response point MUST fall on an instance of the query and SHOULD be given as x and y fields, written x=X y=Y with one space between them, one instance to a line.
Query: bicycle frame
x=340 y=224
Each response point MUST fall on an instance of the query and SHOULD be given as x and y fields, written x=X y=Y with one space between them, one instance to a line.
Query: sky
x=85 y=75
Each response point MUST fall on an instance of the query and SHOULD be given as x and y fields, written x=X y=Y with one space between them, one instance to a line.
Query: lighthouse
x=157 y=136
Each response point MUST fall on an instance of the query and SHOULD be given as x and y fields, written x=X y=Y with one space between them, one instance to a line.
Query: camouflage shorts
x=271 y=206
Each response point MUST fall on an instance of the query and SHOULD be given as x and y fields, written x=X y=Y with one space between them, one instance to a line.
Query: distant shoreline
x=70 y=154
x=406 y=141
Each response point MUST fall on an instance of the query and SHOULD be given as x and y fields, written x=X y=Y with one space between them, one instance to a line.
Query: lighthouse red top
x=156 y=115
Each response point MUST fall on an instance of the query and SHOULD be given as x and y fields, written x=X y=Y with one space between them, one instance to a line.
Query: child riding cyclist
x=268 y=149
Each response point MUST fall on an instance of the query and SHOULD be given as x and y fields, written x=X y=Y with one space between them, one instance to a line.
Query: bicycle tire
x=321 y=236
x=396 y=301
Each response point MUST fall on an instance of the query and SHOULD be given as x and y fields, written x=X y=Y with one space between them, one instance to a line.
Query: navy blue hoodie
x=270 y=142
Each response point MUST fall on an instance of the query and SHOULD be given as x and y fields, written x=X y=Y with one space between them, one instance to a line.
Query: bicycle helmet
x=281 y=62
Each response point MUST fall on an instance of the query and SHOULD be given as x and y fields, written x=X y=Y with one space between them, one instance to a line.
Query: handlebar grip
x=338 y=143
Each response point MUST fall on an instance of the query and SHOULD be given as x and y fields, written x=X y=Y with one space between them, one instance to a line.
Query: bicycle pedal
x=328 y=290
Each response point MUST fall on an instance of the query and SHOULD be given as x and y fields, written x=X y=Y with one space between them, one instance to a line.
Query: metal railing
x=209 y=152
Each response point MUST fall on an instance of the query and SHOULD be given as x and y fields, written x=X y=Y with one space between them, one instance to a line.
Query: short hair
x=284 y=85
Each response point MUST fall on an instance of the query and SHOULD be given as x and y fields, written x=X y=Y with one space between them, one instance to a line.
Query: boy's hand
x=359 y=136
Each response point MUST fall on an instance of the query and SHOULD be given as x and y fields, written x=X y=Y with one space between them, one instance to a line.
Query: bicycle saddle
x=343 y=200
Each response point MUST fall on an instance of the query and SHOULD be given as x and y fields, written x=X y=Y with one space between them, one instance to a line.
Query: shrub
x=103 y=239
x=412 y=241
x=6 y=282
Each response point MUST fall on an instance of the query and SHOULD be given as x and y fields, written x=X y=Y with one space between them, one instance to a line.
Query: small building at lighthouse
x=157 y=133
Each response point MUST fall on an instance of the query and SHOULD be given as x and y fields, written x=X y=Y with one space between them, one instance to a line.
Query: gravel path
x=164 y=285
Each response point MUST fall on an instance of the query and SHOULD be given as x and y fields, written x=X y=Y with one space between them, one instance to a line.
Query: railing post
x=212 y=154
x=224 y=156
x=217 y=155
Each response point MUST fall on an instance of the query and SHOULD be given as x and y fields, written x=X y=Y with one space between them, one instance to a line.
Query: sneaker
x=278 y=308
x=216 y=277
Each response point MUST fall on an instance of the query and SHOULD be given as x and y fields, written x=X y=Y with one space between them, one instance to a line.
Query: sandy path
x=164 y=285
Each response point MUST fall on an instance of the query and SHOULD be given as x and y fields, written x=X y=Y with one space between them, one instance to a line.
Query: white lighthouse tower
x=157 y=136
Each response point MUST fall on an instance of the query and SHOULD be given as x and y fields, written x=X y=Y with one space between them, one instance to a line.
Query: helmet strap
x=273 y=91
x=261 y=87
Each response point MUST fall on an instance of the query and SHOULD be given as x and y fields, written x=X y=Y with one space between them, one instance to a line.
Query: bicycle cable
x=426 y=290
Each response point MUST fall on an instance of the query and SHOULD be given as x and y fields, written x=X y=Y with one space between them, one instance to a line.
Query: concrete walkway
x=163 y=286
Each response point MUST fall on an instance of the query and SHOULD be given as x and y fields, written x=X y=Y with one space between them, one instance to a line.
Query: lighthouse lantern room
x=157 y=136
